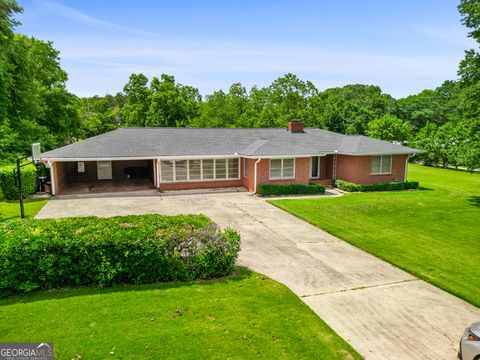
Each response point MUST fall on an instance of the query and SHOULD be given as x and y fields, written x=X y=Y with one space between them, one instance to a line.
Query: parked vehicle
x=470 y=343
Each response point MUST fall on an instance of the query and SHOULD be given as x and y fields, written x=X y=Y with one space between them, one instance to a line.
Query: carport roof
x=185 y=142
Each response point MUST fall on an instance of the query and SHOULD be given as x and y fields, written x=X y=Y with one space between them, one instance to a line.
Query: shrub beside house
x=70 y=252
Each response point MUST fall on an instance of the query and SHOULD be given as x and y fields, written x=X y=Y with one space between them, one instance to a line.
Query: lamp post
x=17 y=173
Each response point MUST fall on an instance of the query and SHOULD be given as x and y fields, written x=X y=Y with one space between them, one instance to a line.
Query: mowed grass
x=247 y=316
x=11 y=209
x=433 y=233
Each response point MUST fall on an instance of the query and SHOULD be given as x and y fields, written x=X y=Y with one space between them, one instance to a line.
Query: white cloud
x=77 y=15
x=97 y=64
x=450 y=36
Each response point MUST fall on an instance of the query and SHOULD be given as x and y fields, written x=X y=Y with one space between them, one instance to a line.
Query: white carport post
x=158 y=173
x=154 y=162
x=52 y=178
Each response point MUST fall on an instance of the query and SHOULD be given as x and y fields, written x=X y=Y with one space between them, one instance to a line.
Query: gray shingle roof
x=158 y=142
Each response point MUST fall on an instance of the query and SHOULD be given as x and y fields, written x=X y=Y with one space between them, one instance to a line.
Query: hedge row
x=292 y=189
x=52 y=253
x=388 y=186
x=7 y=182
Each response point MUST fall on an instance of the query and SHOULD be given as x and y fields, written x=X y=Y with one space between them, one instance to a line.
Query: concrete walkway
x=382 y=311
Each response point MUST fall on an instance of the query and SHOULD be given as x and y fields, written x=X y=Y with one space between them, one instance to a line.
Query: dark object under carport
x=135 y=173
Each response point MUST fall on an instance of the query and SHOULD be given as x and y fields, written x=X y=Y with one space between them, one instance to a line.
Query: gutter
x=255 y=176
x=282 y=156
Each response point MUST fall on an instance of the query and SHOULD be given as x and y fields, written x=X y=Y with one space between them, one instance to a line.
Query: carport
x=83 y=176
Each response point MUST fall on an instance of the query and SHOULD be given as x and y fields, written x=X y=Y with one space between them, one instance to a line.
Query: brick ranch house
x=190 y=158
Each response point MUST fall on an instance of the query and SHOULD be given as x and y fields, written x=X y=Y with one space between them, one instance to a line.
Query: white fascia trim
x=99 y=159
x=172 y=157
x=281 y=156
x=198 y=157
x=376 y=154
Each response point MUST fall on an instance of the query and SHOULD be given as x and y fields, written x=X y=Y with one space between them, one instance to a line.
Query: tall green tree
x=34 y=103
x=438 y=106
x=8 y=10
x=469 y=73
x=389 y=128
x=102 y=114
x=137 y=100
x=222 y=109
x=171 y=104
x=351 y=108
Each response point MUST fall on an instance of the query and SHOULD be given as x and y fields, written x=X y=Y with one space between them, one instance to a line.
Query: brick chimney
x=295 y=126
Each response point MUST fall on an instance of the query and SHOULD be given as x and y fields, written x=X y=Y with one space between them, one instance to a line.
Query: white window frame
x=381 y=165
x=245 y=168
x=174 y=161
x=188 y=170
x=281 y=170
x=318 y=164
x=239 y=165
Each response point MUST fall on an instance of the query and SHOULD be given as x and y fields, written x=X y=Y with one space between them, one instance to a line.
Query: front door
x=104 y=170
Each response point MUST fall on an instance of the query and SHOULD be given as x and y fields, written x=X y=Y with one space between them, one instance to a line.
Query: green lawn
x=246 y=316
x=433 y=233
x=11 y=209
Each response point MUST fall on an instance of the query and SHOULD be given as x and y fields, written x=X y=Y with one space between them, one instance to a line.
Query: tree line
x=35 y=105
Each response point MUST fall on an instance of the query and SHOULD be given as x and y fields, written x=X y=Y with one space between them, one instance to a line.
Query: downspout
x=334 y=170
x=52 y=180
x=255 y=177
x=406 y=168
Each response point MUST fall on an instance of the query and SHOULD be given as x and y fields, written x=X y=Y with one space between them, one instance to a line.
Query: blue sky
x=404 y=46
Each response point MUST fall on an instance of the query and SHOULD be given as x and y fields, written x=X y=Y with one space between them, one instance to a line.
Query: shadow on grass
x=425 y=188
x=239 y=274
x=474 y=200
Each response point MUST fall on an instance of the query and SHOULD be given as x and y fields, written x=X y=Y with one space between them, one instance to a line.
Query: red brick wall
x=302 y=173
x=59 y=176
x=248 y=182
x=357 y=169
x=201 y=184
x=295 y=126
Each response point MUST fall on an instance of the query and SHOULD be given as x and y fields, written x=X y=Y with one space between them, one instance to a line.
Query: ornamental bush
x=53 y=253
x=388 y=186
x=7 y=181
x=292 y=189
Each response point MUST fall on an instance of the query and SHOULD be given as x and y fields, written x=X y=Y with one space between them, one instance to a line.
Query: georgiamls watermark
x=26 y=351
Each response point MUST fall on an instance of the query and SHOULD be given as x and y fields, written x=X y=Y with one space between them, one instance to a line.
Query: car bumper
x=468 y=350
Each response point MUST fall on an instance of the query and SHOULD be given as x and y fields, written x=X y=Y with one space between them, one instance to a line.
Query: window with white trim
x=232 y=168
x=282 y=169
x=181 y=170
x=381 y=164
x=194 y=169
x=314 y=167
x=245 y=168
x=208 y=172
x=166 y=169
x=220 y=168
x=197 y=170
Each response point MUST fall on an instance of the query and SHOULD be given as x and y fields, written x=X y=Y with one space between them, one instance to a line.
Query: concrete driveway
x=382 y=311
